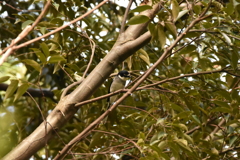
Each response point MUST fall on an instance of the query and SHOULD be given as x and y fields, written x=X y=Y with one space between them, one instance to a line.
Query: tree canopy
x=56 y=64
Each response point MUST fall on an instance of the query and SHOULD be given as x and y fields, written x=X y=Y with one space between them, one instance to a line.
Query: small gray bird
x=119 y=82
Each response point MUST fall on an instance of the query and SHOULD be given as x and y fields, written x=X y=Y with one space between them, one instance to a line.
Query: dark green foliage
x=174 y=119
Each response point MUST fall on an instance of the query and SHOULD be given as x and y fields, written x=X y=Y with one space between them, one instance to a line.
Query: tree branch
x=125 y=16
x=182 y=76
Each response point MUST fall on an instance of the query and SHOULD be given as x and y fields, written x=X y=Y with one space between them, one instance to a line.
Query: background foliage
x=192 y=117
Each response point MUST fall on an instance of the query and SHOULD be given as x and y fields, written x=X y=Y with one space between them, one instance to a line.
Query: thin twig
x=93 y=46
x=182 y=76
x=139 y=110
x=107 y=152
x=125 y=16
x=134 y=143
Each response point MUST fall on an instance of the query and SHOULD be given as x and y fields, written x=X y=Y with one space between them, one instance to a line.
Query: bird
x=119 y=82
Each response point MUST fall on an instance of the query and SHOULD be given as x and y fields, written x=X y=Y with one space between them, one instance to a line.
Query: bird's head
x=124 y=75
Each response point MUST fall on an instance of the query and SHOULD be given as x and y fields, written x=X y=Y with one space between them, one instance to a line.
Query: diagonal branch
x=182 y=76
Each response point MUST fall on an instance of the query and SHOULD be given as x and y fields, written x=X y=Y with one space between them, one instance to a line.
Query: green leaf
x=174 y=148
x=183 y=143
x=39 y=54
x=172 y=28
x=141 y=135
x=74 y=67
x=160 y=121
x=188 y=138
x=22 y=18
x=235 y=94
x=221 y=103
x=11 y=88
x=161 y=35
x=56 y=5
x=188 y=49
x=183 y=115
x=229 y=9
x=56 y=41
x=158 y=151
x=175 y=107
x=161 y=134
x=224 y=94
x=45 y=49
x=226 y=37
x=180 y=126
x=152 y=29
x=26 y=23
x=144 y=56
x=129 y=62
x=222 y=109
x=234 y=59
x=96 y=139
x=205 y=112
x=195 y=118
x=162 y=144
x=182 y=13
x=138 y=20
x=141 y=8
x=154 y=142
x=192 y=106
x=4 y=78
x=43 y=30
x=232 y=140
x=154 y=138
x=29 y=16
x=197 y=9
x=57 y=21
x=21 y=90
x=56 y=59
x=32 y=63
x=175 y=10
